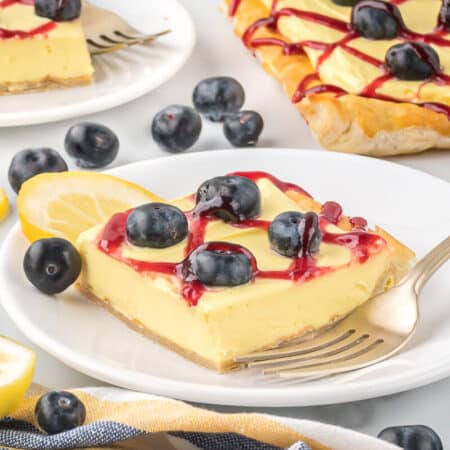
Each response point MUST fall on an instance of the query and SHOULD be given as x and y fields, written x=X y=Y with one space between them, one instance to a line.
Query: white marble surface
x=218 y=53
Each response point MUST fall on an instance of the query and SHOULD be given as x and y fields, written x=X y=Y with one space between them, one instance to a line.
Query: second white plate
x=410 y=204
x=119 y=77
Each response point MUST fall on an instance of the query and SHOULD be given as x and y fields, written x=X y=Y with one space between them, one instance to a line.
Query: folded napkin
x=115 y=415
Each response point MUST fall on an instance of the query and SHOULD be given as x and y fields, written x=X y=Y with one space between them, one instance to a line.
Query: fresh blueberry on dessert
x=218 y=264
x=295 y=234
x=176 y=128
x=59 y=411
x=243 y=128
x=232 y=198
x=418 y=437
x=58 y=10
x=412 y=61
x=52 y=265
x=91 y=145
x=444 y=15
x=28 y=163
x=376 y=19
x=218 y=96
x=156 y=225
x=345 y=2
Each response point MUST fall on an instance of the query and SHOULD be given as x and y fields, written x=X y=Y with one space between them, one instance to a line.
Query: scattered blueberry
x=345 y=2
x=243 y=128
x=176 y=128
x=232 y=198
x=413 y=61
x=156 y=225
x=58 y=10
x=218 y=264
x=416 y=437
x=295 y=234
x=28 y=163
x=52 y=265
x=376 y=19
x=218 y=96
x=59 y=411
x=444 y=15
x=91 y=145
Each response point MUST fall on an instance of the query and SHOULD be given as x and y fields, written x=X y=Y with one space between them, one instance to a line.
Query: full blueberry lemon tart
x=369 y=76
x=246 y=263
x=42 y=47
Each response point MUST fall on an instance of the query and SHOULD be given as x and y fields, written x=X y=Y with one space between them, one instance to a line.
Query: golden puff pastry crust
x=347 y=123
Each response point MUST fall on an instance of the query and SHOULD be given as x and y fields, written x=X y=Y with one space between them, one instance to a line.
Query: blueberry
x=243 y=128
x=28 y=163
x=416 y=437
x=58 y=10
x=52 y=265
x=346 y=2
x=176 y=128
x=219 y=264
x=413 y=61
x=59 y=411
x=295 y=234
x=444 y=15
x=218 y=96
x=232 y=198
x=91 y=145
x=376 y=19
x=156 y=225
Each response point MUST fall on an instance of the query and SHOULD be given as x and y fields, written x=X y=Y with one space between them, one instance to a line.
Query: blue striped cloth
x=18 y=434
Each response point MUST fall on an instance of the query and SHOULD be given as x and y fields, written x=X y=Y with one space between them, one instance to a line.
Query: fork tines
x=118 y=40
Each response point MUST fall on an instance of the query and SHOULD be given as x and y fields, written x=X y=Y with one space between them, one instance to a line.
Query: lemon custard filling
x=249 y=237
x=396 y=50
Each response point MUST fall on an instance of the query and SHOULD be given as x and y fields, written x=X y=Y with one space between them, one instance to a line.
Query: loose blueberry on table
x=59 y=411
x=218 y=96
x=58 y=10
x=232 y=198
x=374 y=19
x=418 y=437
x=413 y=61
x=52 y=265
x=156 y=225
x=91 y=145
x=218 y=264
x=243 y=128
x=176 y=128
x=28 y=163
x=295 y=234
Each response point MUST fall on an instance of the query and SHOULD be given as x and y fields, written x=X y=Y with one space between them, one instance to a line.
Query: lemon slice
x=67 y=203
x=4 y=205
x=16 y=373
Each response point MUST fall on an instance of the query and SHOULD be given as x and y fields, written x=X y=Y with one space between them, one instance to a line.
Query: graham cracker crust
x=48 y=84
x=302 y=335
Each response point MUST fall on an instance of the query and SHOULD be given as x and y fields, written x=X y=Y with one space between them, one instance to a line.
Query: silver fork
x=374 y=332
x=107 y=32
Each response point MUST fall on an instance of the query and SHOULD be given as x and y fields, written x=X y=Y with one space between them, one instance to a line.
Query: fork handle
x=428 y=265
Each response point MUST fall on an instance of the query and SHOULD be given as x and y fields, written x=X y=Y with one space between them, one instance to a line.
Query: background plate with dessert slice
x=118 y=77
x=407 y=203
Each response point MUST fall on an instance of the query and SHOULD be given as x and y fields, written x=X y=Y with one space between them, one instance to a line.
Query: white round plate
x=410 y=204
x=119 y=77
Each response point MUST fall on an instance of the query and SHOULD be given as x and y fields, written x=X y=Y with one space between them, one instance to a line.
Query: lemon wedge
x=4 y=205
x=16 y=373
x=67 y=203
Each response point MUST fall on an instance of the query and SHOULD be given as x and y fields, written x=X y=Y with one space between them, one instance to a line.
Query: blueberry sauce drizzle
x=21 y=34
x=302 y=268
x=305 y=89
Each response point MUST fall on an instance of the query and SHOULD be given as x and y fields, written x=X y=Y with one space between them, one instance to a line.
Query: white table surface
x=218 y=53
